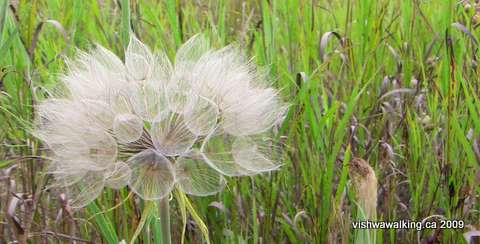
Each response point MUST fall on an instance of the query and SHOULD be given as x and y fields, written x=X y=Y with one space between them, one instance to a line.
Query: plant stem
x=165 y=220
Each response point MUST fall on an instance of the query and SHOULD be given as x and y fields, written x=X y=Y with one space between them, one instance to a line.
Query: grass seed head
x=365 y=185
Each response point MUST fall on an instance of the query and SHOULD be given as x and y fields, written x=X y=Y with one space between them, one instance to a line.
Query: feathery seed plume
x=153 y=124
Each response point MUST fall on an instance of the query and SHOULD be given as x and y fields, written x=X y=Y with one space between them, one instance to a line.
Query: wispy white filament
x=154 y=124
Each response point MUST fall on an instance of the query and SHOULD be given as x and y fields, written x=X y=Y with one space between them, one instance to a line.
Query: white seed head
x=152 y=124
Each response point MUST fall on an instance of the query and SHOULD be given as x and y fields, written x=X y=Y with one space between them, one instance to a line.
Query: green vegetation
x=394 y=82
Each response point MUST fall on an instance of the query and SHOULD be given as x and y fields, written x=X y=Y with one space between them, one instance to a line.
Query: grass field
x=393 y=82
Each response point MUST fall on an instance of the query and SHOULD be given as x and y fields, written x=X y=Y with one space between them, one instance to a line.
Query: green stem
x=165 y=220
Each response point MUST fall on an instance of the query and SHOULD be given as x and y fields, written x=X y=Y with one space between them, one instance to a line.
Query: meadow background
x=394 y=82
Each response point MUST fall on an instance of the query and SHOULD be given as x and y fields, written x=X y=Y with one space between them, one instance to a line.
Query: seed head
x=365 y=184
x=155 y=124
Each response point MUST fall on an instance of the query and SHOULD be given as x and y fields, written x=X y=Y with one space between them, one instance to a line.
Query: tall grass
x=393 y=82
